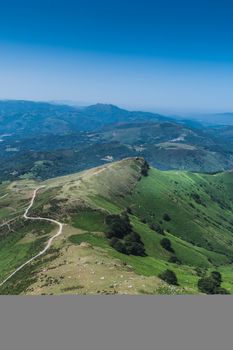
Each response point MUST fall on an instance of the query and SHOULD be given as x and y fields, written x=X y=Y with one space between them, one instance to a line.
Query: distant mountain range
x=43 y=140
x=23 y=118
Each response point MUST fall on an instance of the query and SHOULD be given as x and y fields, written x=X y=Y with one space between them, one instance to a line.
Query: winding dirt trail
x=48 y=245
x=5 y=195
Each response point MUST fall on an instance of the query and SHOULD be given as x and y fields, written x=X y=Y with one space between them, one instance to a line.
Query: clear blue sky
x=173 y=56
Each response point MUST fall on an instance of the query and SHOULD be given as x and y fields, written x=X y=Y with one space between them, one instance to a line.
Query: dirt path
x=5 y=195
x=48 y=245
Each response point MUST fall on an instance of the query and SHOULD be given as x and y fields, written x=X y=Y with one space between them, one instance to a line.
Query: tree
x=119 y=225
x=220 y=290
x=174 y=260
x=127 y=244
x=145 y=168
x=166 y=244
x=157 y=228
x=134 y=245
x=133 y=237
x=135 y=248
x=206 y=285
x=217 y=277
x=166 y=217
x=118 y=245
x=169 y=276
x=113 y=241
x=212 y=284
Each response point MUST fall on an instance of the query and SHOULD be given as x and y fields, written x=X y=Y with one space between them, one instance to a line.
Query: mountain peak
x=103 y=107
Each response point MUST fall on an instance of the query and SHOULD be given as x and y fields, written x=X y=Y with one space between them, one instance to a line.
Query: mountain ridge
x=40 y=140
x=157 y=204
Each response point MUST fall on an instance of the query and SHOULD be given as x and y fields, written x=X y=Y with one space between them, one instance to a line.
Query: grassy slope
x=199 y=205
x=201 y=233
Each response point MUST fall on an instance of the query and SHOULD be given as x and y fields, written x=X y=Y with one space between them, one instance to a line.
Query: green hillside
x=44 y=140
x=121 y=219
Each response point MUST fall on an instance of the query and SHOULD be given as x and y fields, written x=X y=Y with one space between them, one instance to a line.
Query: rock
x=85 y=245
x=129 y=267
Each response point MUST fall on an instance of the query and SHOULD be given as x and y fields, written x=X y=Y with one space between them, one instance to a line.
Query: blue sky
x=172 y=56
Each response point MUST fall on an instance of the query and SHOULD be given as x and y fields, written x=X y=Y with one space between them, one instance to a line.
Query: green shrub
x=121 y=236
x=157 y=228
x=113 y=241
x=118 y=225
x=174 y=260
x=166 y=244
x=134 y=245
x=206 y=285
x=145 y=168
x=135 y=248
x=118 y=245
x=169 y=276
x=220 y=290
x=166 y=217
x=217 y=277
x=212 y=284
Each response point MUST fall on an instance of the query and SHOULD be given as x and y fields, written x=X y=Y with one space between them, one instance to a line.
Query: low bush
x=118 y=225
x=221 y=290
x=206 y=285
x=166 y=217
x=134 y=245
x=166 y=244
x=169 y=276
x=121 y=237
x=217 y=277
x=118 y=245
x=145 y=168
x=174 y=260
x=212 y=284
x=157 y=228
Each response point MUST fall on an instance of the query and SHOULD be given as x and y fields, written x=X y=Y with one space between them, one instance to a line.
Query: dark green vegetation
x=42 y=140
x=169 y=276
x=172 y=224
x=122 y=237
x=166 y=244
x=212 y=284
x=184 y=220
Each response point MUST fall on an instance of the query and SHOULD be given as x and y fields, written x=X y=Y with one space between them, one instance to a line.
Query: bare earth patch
x=85 y=269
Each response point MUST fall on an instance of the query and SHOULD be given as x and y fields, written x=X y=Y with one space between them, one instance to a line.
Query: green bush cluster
x=122 y=237
x=174 y=260
x=157 y=228
x=145 y=169
x=169 y=276
x=166 y=217
x=212 y=284
x=166 y=244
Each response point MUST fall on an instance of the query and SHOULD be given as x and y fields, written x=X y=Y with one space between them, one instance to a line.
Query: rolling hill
x=29 y=118
x=42 y=140
x=124 y=225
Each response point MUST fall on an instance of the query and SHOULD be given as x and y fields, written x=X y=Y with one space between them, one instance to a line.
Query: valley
x=42 y=140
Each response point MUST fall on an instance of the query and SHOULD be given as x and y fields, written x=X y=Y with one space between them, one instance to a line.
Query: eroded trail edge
x=50 y=241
